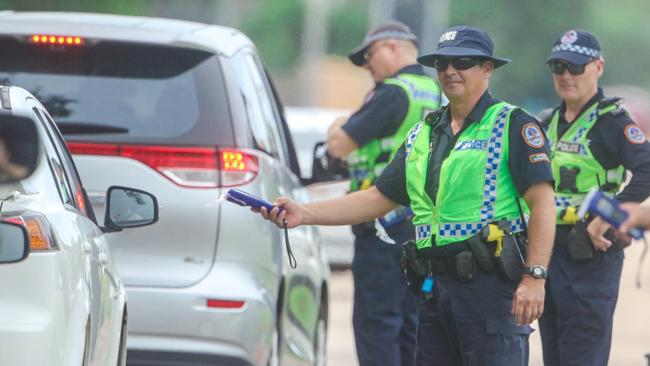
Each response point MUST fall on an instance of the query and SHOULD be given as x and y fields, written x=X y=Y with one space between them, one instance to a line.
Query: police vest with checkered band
x=475 y=187
x=367 y=163
x=575 y=169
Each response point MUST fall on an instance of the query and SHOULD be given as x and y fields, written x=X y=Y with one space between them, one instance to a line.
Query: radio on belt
x=242 y=198
x=608 y=209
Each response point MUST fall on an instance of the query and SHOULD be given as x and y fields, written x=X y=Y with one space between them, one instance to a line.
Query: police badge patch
x=538 y=158
x=569 y=37
x=533 y=135
x=634 y=134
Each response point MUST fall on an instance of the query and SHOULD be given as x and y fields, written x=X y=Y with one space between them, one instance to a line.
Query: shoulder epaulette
x=434 y=116
x=611 y=105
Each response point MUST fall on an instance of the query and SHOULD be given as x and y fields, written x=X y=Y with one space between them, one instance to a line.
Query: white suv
x=185 y=111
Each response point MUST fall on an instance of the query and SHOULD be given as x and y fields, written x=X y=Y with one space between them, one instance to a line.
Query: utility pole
x=435 y=19
x=314 y=46
x=380 y=11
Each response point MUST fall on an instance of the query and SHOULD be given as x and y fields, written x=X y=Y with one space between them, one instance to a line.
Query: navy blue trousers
x=469 y=324
x=576 y=326
x=383 y=316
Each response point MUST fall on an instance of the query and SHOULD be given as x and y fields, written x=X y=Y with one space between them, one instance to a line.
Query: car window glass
x=55 y=165
x=268 y=111
x=263 y=136
x=70 y=168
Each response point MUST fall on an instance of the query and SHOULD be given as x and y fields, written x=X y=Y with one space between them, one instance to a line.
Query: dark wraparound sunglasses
x=461 y=63
x=558 y=67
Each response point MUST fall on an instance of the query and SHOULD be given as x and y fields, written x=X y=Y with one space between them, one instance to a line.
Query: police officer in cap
x=477 y=163
x=593 y=141
x=384 y=311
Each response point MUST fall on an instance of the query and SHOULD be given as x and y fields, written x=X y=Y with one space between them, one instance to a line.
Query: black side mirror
x=128 y=208
x=325 y=167
x=14 y=243
x=19 y=148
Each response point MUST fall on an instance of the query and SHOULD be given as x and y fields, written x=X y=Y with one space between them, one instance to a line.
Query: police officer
x=384 y=311
x=593 y=141
x=468 y=165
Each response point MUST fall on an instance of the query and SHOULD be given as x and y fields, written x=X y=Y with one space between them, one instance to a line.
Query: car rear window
x=124 y=92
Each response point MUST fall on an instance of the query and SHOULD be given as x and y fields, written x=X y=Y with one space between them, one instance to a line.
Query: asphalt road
x=631 y=321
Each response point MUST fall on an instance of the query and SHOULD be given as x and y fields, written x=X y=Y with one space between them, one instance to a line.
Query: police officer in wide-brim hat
x=475 y=158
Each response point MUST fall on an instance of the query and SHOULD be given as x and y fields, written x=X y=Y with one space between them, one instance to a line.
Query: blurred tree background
x=522 y=30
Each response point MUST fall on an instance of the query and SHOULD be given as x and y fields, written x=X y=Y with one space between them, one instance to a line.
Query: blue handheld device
x=608 y=209
x=242 y=198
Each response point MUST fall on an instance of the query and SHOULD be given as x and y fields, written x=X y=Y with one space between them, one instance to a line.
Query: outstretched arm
x=351 y=209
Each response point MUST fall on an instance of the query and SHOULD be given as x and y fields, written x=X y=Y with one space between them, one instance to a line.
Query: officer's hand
x=528 y=300
x=596 y=230
x=292 y=212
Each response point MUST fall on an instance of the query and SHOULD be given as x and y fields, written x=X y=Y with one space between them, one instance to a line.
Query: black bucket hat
x=389 y=30
x=463 y=41
x=576 y=46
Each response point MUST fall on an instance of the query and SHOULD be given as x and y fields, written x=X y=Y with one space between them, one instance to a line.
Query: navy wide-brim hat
x=576 y=46
x=463 y=41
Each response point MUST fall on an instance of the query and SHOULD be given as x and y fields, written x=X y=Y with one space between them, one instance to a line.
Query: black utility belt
x=494 y=249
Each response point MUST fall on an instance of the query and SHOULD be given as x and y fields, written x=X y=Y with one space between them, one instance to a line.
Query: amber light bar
x=57 y=40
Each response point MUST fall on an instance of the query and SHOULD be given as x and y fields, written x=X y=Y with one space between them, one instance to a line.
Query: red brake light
x=195 y=167
x=226 y=304
x=56 y=39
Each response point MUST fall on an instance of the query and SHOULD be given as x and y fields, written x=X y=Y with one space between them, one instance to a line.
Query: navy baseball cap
x=463 y=41
x=576 y=46
x=389 y=30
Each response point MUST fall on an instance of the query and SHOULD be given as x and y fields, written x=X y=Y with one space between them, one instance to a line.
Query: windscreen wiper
x=79 y=128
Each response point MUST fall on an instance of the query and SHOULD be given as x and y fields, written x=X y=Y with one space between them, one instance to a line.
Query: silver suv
x=185 y=111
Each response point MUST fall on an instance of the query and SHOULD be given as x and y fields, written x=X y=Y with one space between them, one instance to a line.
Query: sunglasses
x=559 y=67
x=461 y=63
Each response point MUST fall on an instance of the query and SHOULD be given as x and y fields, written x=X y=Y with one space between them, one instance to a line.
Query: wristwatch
x=536 y=271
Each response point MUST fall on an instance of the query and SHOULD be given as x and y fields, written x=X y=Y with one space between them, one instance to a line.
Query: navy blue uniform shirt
x=613 y=142
x=382 y=112
x=528 y=164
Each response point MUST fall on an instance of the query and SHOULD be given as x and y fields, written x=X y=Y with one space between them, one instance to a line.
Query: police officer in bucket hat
x=477 y=176
x=593 y=141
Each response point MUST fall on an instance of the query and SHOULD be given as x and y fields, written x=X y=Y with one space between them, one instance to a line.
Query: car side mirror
x=129 y=208
x=325 y=167
x=19 y=148
x=14 y=243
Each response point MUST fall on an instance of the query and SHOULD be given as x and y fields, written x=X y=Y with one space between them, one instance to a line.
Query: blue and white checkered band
x=410 y=139
x=577 y=49
x=390 y=34
x=419 y=93
x=562 y=202
x=422 y=232
x=464 y=229
x=495 y=144
x=585 y=127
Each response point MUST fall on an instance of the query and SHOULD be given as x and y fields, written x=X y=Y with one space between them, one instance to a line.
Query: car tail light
x=226 y=304
x=38 y=230
x=194 y=167
x=52 y=39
